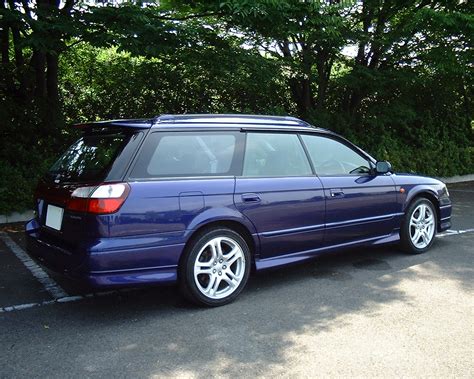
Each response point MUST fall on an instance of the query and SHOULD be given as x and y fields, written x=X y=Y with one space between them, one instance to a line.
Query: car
x=203 y=200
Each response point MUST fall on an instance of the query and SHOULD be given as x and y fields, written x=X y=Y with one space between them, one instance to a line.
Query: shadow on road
x=154 y=331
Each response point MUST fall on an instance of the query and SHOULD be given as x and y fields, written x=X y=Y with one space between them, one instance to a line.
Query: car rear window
x=91 y=157
x=186 y=154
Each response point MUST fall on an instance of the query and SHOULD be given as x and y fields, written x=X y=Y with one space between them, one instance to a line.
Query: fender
x=414 y=185
x=222 y=214
x=413 y=191
x=436 y=191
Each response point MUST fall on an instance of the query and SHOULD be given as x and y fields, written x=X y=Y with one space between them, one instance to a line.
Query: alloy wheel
x=422 y=226
x=219 y=267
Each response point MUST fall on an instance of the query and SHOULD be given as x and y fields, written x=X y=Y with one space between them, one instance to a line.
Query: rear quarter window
x=189 y=154
x=92 y=157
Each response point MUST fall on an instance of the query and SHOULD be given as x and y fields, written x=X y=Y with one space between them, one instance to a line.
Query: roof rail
x=230 y=119
x=126 y=123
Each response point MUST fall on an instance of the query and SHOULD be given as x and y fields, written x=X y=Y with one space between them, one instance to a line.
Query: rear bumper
x=111 y=262
x=157 y=275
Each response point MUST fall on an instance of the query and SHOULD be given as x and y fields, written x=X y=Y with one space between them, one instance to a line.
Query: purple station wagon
x=201 y=200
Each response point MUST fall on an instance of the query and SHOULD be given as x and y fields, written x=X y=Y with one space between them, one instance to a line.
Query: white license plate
x=54 y=217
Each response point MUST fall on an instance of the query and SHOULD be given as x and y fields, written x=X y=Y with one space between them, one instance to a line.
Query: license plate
x=54 y=217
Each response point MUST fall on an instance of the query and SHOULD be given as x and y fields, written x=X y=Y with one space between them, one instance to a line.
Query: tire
x=418 y=229
x=208 y=274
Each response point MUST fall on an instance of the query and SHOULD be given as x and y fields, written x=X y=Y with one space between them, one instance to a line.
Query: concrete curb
x=458 y=179
x=28 y=215
x=16 y=217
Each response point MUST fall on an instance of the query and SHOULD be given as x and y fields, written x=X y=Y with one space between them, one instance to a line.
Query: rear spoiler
x=134 y=124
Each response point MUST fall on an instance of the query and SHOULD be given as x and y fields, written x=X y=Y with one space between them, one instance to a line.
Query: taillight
x=104 y=199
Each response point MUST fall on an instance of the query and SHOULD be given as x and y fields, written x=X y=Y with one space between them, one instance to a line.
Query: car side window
x=331 y=157
x=275 y=154
x=186 y=154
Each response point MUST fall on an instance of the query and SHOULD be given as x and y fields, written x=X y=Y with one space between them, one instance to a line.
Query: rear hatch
x=100 y=156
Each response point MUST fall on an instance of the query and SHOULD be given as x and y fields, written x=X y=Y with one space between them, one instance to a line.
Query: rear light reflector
x=102 y=199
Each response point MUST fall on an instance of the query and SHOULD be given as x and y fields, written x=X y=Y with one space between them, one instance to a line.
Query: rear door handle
x=250 y=198
x=337 y=192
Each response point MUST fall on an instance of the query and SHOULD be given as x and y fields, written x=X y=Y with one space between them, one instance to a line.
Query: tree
x=406 y=34
x=305 y=36
x=37 y=33
x=392 y=75
x=309 y=38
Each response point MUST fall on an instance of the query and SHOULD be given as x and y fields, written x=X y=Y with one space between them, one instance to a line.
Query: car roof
x=172 y=122
x=241 y=121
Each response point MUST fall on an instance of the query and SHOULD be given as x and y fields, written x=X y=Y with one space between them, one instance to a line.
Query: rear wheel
x=418 y=229
x=215 y=268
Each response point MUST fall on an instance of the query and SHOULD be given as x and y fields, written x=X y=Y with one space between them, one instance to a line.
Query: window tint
x=90 y=158
x=185 y=154
x=331 y=157
x=275 y=155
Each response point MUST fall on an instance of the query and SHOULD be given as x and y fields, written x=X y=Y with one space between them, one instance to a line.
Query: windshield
x=89 y=159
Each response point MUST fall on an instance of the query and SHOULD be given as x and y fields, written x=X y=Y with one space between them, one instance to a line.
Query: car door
x=360 y=205
x=279 y=194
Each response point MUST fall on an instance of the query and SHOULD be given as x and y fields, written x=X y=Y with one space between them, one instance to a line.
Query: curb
x=28 y=215
x=458 y=179
x=17 y=217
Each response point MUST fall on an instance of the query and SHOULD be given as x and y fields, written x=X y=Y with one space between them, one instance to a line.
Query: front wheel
x=215 y=268
x=418 y=228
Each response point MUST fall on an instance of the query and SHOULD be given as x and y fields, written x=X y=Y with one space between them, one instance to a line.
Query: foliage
x=25 y=153
x=393 y=76
x=241 y=83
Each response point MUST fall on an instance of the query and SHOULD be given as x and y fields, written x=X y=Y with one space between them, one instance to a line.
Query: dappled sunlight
x=188 y=181
x=298 y=329
x=336 y=314
x=340 y=314
x=267 y=342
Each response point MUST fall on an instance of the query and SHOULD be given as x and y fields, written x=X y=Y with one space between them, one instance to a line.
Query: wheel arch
x=429 y=195
x=235 y=225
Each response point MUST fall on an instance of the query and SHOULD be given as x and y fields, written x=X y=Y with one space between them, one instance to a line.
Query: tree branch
x=26 y=9
x=68 y=5
x=189 y=17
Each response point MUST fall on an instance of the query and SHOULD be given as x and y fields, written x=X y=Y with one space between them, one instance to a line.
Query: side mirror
x=383 y=167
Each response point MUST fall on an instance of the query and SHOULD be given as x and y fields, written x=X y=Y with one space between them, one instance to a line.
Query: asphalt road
x=372 y=312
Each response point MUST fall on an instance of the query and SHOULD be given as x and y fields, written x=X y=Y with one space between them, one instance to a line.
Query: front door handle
x=336 y=192
x=250 y=198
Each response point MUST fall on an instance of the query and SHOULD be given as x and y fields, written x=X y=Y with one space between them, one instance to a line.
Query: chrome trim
x=330 y=225
x=362 y=220
x=292 y=230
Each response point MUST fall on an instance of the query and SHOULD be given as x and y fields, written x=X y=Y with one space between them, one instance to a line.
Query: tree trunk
x=300 y=86
x=323 y=66
x=5 y=47
x=19 y=62
x=4 y=39
x=52 y=85
x=302 y=96
x=39 y=65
